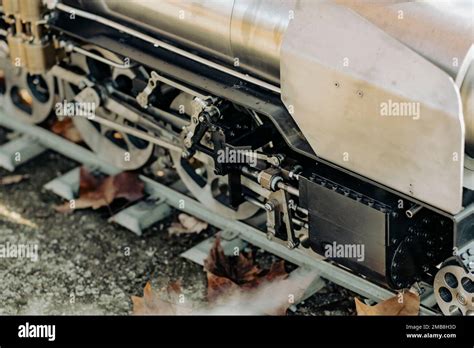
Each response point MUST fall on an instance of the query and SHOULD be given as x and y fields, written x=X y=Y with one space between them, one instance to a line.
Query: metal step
x=142 y=215
x=19 y=151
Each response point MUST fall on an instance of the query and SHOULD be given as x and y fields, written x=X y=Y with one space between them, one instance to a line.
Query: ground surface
x=88 y=266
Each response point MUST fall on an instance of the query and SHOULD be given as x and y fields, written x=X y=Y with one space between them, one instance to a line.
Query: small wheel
x=122 y=150
x=29 y=98
x=454 y=290
x=200 y=179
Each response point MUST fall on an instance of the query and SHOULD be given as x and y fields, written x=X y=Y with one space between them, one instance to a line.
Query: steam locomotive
x=337 y=122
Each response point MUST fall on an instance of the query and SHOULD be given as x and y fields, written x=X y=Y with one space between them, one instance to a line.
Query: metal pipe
x=300 y=223
x=290 y=189
x=255 y=202
x=250 y=172
x=413 y=210
x=71 y=47
x=169 y=117
x=254 y=174
x=136 y=133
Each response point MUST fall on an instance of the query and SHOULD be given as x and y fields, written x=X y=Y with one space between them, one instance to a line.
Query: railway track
x=35 y=140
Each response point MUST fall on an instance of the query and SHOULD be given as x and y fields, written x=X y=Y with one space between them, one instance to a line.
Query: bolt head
x=269 y=206
x=461 y=299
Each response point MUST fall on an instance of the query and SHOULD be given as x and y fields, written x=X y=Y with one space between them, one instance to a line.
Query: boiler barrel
x=243 y=33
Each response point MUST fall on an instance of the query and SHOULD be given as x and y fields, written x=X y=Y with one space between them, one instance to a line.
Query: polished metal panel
x=439 y=30
x=337 y=70
x=442 y=31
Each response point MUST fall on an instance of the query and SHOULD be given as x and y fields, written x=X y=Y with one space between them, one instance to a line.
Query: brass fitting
x=29 y=47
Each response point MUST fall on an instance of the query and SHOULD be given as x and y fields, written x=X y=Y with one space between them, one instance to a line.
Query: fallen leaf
x=217 y=287
x=66 y=129
x=87 y=181
x=251 y=291
x=239 y=269
x=235 y=276
x=187 y=225
x=127 y=185
x=13 y=179
x=406 y=303
x=163 y=302
x=99 y=192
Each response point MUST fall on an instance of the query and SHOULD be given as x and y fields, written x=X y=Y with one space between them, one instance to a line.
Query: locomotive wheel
x=454 y=290
x=29 y=98
x=199 y=177
x=122 y=150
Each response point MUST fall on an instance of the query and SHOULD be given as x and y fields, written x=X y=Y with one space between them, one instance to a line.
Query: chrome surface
x=439 y=30
x=243 y=33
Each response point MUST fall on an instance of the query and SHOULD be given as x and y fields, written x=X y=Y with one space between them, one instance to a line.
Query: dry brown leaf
x=13 y=179
x=87 y=181
x=66 y=129
x=231 y=276
x=163 y=302
x=220 y=287
x=99 y=192
x=406 y=303
x=187 y=225
x=251 y=291
x=127 y=185
x=239 y=269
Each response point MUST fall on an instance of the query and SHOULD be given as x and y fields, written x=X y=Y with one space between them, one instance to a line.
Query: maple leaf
x=187 y=225
x=66 y=129
x=406 y=304
x=240 y=287
x=239 y=269
x=163 y=302
x=233 y=276
x=99 y=192
x=217 y=287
